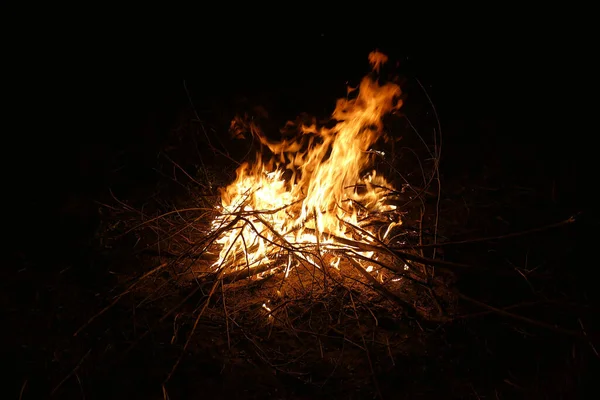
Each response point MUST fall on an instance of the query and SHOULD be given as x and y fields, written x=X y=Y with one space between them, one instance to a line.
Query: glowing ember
x=312 y=189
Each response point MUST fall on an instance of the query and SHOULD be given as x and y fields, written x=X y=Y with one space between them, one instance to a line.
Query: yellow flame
x=310 y=186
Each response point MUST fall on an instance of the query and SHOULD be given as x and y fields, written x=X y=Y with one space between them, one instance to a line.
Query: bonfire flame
x=312 y=189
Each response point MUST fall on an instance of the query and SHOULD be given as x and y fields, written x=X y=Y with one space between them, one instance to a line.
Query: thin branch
x=540 y=324
x=567 y=221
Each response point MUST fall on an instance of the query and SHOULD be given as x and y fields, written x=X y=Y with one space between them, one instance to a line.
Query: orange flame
x=312 y=186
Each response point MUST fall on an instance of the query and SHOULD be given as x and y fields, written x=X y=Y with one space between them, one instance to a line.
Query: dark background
x=505 y=99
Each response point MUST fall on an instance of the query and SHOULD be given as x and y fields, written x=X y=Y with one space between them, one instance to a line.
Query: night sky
x=507 y=99
x=494 y=94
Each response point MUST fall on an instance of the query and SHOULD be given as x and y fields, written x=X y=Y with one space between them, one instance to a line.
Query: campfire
x=310 y=239
x=320 y=268
x=314 y=199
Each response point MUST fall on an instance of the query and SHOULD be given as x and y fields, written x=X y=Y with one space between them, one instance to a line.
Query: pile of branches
x=293 y=321
x=356 y=315
x=314 y=302
x=175 y=243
